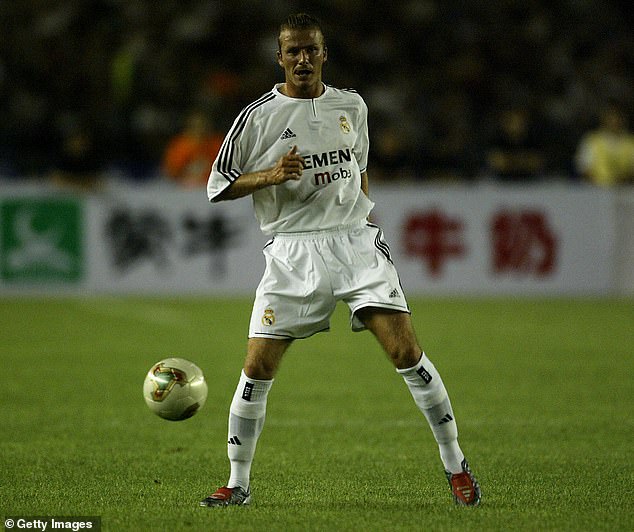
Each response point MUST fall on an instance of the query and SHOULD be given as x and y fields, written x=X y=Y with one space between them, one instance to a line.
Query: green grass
x=542 y=390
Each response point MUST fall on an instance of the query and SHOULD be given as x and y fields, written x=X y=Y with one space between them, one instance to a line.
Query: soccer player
x=301 y=152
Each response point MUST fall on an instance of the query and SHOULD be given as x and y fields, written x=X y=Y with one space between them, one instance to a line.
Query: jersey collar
x=276 y=91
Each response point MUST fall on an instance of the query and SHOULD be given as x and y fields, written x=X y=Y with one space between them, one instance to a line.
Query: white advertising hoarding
x=489 y=240
x=480 y=240
x=158 y=241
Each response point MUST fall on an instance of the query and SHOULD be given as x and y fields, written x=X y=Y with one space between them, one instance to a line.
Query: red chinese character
x=523 y=242
x=434 y=237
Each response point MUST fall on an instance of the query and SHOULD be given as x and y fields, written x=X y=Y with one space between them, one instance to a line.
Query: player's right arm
x=288 y=167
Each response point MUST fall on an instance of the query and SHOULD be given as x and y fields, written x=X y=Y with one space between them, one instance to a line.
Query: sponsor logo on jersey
x=324 y=178
x=327 y=158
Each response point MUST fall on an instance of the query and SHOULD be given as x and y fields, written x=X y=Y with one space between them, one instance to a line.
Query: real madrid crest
x=268 y=318
x=344 y=125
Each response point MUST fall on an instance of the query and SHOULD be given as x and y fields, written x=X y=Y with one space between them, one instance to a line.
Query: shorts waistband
x=321 y=233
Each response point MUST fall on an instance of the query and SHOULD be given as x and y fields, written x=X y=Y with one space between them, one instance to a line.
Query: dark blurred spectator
x=432 y=72
x=605 y=155
x=79 y=165
x=450 y=149
x=515 y=152
x=190 y=154
x=392 y=154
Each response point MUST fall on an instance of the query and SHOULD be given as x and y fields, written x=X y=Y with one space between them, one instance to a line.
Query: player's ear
x=279 y=59
x=325 y=53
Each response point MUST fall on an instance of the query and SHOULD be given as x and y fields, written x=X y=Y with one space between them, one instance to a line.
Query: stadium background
x=94 y=91
x=118 y=271
x=435 y=75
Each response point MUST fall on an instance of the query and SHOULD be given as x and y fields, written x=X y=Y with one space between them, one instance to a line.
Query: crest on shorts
x=344 y=125
x=268 y=318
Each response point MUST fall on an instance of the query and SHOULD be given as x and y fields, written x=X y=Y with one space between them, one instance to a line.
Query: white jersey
x=331 y=134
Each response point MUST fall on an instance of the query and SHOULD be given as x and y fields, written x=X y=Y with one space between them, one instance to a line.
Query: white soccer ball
x=175 y=389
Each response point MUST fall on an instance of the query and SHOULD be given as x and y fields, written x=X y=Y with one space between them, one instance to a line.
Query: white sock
x=429 y=393
x=246 y=420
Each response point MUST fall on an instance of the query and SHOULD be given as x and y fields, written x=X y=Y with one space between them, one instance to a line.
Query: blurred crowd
x=512 y=90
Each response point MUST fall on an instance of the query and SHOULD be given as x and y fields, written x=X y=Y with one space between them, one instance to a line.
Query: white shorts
x=308 y=273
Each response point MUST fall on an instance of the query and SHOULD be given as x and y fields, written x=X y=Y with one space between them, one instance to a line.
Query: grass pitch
x=542 y=390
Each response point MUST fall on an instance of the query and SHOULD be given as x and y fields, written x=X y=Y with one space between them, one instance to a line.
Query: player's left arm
x=362 y=144
x=365 y=187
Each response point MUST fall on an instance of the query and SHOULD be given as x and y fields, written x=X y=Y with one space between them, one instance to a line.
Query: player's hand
x=288 y=167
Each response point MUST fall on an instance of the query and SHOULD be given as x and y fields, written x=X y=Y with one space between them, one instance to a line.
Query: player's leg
x=248 y=407
x=246 y=417
x=395 y=333
x=293 y=300
x=264 y=356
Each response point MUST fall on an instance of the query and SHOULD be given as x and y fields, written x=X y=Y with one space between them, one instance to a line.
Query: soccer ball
x=175 y=389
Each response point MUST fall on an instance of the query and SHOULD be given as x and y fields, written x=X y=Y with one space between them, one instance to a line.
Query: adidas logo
x=288 y=134
x=394 y=293
x=234 y=441
x=446 y=419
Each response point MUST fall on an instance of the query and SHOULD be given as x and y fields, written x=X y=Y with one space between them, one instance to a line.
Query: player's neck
x=293 y=91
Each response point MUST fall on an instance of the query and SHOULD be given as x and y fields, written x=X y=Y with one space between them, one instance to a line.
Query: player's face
x=302 y=55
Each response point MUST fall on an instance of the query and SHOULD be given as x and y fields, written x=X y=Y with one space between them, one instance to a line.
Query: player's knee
x=261 y=366
x=404 y=356
x=264 y=357
x=259 y=369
